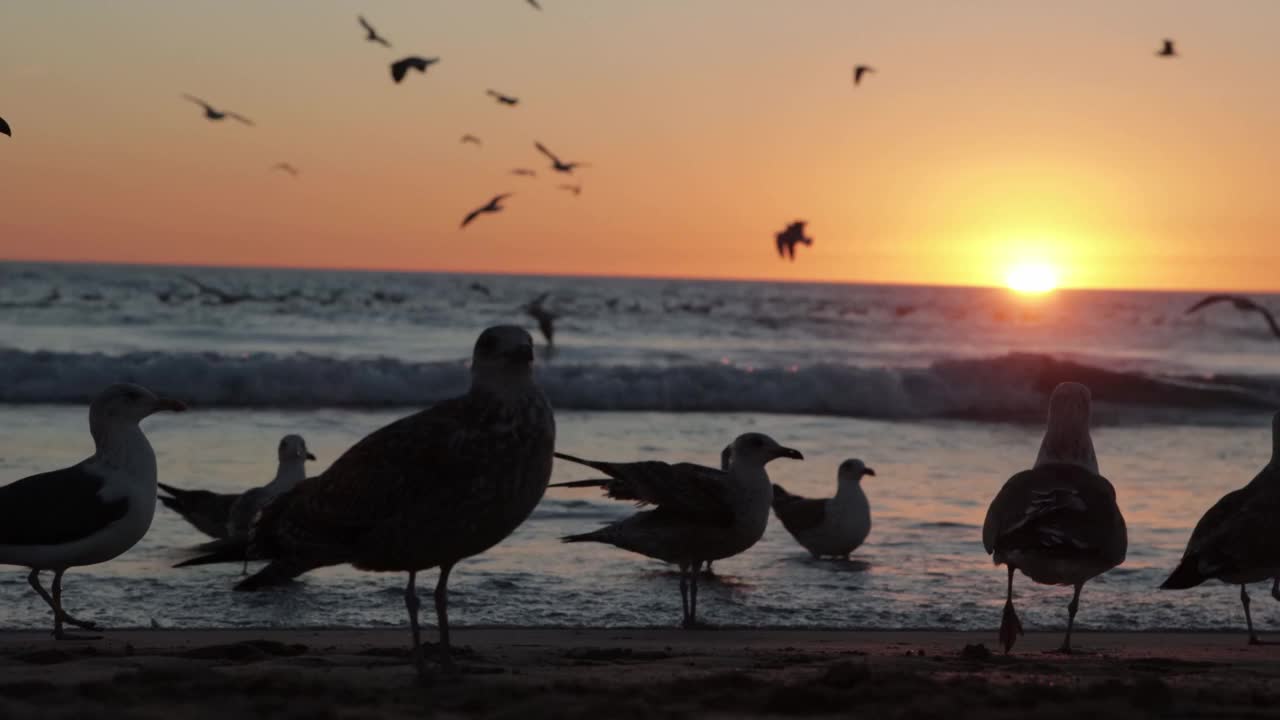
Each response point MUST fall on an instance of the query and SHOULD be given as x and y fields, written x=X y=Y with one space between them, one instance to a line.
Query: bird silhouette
x=1167 y=49
x=504 y=99
x=402 y=66
x=214 y=114
x=535 y=4
x=4 y=128
x=859 y=71
x=469 y=138
x=524 y=172
x=546 y=319
x=285 y=167
x=790 y=237
x=575 y=189
x=493 y=206
x=373 y=35
x=556 y=163
x=1242 y=304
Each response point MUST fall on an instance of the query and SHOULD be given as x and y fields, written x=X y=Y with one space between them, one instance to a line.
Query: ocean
x=941 y=390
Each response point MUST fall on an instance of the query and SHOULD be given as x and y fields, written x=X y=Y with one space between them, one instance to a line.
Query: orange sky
x=994 y=132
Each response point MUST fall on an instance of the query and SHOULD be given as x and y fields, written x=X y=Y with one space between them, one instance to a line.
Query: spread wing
x=1055 y=508
x=241 y=118
x=797 y=514
x=1210 y=300
x=4 y=128
x=207 y=511
x=682 y=490
x=56 y=507
x=472 y=216
x=542 y=149
x=198 y=101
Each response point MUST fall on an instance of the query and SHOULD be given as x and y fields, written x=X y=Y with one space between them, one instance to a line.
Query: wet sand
x=537 y=673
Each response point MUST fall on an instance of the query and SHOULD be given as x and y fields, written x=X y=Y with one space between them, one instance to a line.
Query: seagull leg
x=693 y=593
x=1248 y=619
x=684 y=594
x=1010 y=626
x=61 y=615
x=1072 y=607
x=34 y=580
x=411 y=603
x=442 y=617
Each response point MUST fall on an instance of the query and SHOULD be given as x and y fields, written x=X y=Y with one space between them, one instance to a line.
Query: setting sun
x=1031 y=278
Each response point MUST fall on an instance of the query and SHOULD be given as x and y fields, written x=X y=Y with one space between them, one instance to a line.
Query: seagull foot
x=58 y=635
x=1010 y=627
x=82 y=624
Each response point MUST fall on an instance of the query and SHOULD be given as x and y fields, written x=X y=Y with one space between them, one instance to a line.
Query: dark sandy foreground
x=531 y=674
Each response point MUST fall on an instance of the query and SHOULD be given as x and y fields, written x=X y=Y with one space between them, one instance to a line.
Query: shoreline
x=634 y=672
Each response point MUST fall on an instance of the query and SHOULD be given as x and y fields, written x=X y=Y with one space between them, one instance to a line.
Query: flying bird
x=373 y=35
x=790 y=237
x=493 y=206
x=504 y=99
x=1057 y=522
x=285 y=167
x=828 y=527
x=859 y=71
x=546 y=319
x=1242 y=304
x=700 y=514
x=1167 y=49
x=524 y=172
x=575 y=189
x=469 y=138
x=91 y=512
x=535 y=4
x=4 y=128
x=556 y=163
x=1233 y=542
x=213 y=114
x=401 y=67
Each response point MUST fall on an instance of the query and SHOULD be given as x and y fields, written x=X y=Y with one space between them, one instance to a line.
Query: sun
x=1031 y=278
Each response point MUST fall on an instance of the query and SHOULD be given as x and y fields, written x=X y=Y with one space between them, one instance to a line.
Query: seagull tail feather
x=277 y=572
x=582 y=483
x=593 y=536
x=782 y=498
x=231 y=552
x=589 y=463
x=1186 y=575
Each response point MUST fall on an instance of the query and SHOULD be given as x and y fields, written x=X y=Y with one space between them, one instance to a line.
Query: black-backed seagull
x=1058 y=522
x=92 y=511
x=701 y=514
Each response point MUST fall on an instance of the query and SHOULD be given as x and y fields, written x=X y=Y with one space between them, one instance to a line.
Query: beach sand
x=546 y=673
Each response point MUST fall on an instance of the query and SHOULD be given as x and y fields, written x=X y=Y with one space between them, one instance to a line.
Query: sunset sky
x=993 y=133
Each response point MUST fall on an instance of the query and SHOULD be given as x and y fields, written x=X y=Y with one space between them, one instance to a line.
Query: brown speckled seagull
x=1236 y=540
x=1057 y=522
x=701 y=514
x=426 y=491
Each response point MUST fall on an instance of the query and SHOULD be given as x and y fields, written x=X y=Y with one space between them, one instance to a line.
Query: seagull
x=831 y=527
x=859 y=71
x=285 y=167
x=90 y=512
x=373 y=35
x=556 y=163
x=1058 y=522
x=575 y=189
x=535 y=4
x=1167 y=49
x=701 y=514
x=213 y=114
x=415 y=62
x=524 y=172
x=1233 y=542
x=492 y=207
x=469 y=138
x=1241 y=303
x=226 y=516
x=503 y=99
x=4 y=128
x=426 y=491
x=546 y=319
x=790 y=237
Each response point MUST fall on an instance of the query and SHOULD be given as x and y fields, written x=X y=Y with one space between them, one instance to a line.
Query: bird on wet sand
x=1241 y=303
x=1167 y=50
x=493 y=206
x=700 y=514
x=1236 y=541
x=402 y=66
x=371 y=34
x=829 y=527
x=91 y=512
x=1058 y=522
x=502 y=99
x=859 y=71
x=556 y=163
x=214 y=114
x=426 y=491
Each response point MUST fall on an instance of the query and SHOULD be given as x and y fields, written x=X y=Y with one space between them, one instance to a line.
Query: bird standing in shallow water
x=1235 y=541
x=829 y=527
x=700 y=514
x=1057 y=522
x=90 y=512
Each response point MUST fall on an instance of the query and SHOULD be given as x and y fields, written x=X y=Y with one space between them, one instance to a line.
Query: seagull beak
x=170 y=404
x=868 y=471
x=522 y=355
x=787 y=452
x=313 y=457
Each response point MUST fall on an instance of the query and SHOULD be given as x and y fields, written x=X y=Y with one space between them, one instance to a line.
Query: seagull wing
x=241 y=118
x=535 y=4
x=797 y=514
x=543 y=149
x=1266 y=314
x=684 y=489
x=1055 y=508
x=1210 y=300
x=4 y=128
x=473 y=215
x=365 y=24
x=198 y=101
x=56 y=507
